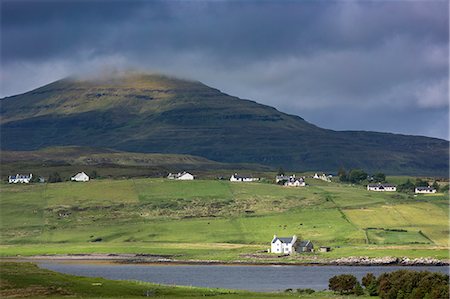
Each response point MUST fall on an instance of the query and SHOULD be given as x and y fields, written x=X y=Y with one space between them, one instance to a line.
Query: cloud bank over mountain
x=342 y=65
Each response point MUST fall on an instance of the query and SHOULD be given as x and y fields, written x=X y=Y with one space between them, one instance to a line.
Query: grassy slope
x=25 y=280
x=156 y=215
x=149 y=113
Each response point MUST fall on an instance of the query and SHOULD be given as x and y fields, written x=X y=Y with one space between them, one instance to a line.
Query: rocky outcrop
x=388 y=260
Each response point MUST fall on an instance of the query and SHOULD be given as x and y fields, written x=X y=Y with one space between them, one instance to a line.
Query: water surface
x=252 y=278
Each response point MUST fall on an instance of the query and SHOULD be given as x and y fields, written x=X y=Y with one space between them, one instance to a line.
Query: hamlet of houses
x=290 y=181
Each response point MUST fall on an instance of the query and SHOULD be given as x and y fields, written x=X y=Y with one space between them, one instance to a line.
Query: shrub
x=368 y=279
x=305 y=291
x=408 y=284
x=344 y=283
x=358 y=290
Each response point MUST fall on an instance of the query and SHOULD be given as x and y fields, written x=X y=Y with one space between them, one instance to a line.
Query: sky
x=342 y=65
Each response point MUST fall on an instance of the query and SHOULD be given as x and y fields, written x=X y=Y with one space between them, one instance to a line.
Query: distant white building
x=295 y=182
x=183 y=176
x=424 y=190
x=80 y=177
x=20 y=178
x=290 y=245
x=382 y=187
x=236 y=178
x=323 y=177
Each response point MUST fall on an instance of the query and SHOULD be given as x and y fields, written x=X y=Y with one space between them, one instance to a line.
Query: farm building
x=290 y=245
x=323 y=177
x=305 y=246
x=20 y=178
x=80 y=177
x=424 y=190
x=324 y=249
x=283 y=245
x=382 y=187
x=236 y=178
x=295 y=182
x=183 y=176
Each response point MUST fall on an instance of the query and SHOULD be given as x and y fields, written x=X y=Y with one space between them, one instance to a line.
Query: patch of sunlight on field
x=432 y=220
x=157 y=189
x=354 y=196
x=429 y=218
x=384 y=216
x=21 y=205
x=94 y=192
x=380 y=236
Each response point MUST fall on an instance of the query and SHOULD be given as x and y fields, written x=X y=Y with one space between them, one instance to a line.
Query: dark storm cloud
x=325 y=61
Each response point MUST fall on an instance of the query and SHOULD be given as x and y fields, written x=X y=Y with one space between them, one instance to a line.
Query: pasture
x=155 y=215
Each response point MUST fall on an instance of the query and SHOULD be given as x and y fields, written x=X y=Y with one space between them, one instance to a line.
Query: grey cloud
x=314 y=58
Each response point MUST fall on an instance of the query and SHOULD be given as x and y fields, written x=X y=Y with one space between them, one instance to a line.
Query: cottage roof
x=305 y=243
x=283 y=240
x=424 y=188
x=382 y=185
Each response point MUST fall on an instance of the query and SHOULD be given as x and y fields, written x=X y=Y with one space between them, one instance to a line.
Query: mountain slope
x=158 y=114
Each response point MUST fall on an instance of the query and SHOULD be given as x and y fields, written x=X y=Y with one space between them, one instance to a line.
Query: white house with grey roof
x=182 y=176
x=20 y=178
x=382 y=187
x=424 y=190
x=283 y=245
x=80 y=177
x=237 y=178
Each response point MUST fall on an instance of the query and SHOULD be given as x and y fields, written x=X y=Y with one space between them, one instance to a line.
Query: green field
x=217 y=220
x=26 y=280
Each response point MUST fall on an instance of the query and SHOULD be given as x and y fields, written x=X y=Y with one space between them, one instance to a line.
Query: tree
x=436 y=186
x=280 y=171
x=379 y=177
x=54 y=178
x=421 y=183
x=358 y=290
x=356 y=176
x=341 y=171
x=93 y=174
x=369 y=281
x=408 y=186
x=342 y=175
x=344 y=283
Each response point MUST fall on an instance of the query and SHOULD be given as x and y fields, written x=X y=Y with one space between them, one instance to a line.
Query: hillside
x=218 y=220
x=157 y=114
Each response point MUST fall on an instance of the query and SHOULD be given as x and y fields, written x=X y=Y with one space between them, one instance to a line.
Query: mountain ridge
x=161 y=114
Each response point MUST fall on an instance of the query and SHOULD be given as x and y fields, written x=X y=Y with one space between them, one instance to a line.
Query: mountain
x=151 y=113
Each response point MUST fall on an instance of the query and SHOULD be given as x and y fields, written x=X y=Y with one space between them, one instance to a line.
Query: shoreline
x=146 y=259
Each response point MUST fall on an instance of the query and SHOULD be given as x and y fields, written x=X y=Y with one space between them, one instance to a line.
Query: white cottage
x=283 y=245
x=183 y=176
x=80 y=177
x=20 y=178
x=236 y=178
x=382 y=187
x=424 y=190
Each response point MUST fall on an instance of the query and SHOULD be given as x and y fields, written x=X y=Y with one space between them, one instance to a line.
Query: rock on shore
x=388 y=260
